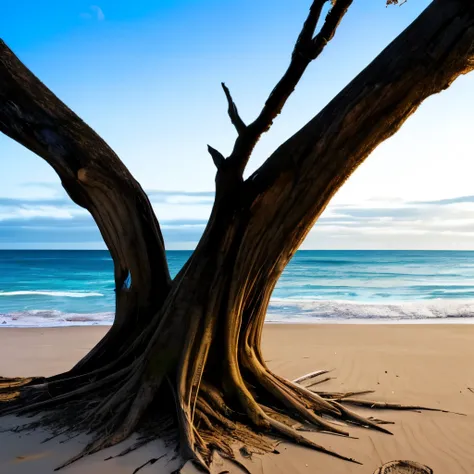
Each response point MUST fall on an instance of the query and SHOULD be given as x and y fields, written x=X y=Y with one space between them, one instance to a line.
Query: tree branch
x=233 y=112
x=307 y=32
x=295 y=184
x=95 y=178
x=333 y=19
x=306 y=50
x=217 y=156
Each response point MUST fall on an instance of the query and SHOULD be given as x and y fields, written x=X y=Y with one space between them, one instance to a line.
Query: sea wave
x=310 y=310
x=61 y=294
x=284 y=311
x=53 y=318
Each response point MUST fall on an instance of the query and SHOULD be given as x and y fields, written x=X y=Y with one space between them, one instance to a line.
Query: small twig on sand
x=310 y=376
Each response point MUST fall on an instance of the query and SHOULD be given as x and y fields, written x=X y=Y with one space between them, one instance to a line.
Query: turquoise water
x=50 y=288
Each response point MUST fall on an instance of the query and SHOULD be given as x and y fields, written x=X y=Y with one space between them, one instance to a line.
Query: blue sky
x=146 y=76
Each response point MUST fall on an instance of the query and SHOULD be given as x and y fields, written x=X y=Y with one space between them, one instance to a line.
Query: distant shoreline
x=299 y=250
x=320 y=322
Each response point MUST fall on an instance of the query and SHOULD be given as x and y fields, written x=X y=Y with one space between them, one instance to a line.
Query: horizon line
x=192 y=250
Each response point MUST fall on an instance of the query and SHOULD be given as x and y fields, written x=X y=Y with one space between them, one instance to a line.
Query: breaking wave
x=53 y=318
x=61 y=294
x=308 y=310
x=283 y=311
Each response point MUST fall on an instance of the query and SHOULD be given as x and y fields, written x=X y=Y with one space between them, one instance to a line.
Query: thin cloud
x=180 y=197
x=156 y=196
x=382 y=223
x=97 y=13
x=20 y=202
x=183 y=223
x=41 y=184
x=444 y=202
x=41 y=231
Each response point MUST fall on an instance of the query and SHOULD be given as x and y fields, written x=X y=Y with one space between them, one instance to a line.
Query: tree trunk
x=96 y=179
x=198 y=338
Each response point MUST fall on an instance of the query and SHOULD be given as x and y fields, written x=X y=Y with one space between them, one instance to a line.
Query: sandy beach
x=430 y=365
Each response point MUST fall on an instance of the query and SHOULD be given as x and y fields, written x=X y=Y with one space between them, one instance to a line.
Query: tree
x=191 y=346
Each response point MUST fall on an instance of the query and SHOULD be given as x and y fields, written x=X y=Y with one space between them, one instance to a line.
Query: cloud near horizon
x=380 y=223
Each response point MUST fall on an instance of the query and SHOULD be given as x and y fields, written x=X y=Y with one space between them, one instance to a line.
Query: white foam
x=288 y=310
x=53 y=318
x=62 y=294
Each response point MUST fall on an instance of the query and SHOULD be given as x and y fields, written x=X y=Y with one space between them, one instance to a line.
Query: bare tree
x=191 y=346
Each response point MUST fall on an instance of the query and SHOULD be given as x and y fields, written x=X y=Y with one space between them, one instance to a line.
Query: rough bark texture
x=96 y=179
x=192 y=346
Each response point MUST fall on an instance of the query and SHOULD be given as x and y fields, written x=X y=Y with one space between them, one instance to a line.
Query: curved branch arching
x=95 y=179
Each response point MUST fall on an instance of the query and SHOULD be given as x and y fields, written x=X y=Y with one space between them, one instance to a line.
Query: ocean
x=65 y=288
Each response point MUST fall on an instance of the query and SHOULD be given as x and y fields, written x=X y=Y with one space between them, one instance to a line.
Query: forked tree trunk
x=198 y=337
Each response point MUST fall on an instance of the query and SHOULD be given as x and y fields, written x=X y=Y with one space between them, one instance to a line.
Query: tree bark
x=197 y=338
x=95 y=179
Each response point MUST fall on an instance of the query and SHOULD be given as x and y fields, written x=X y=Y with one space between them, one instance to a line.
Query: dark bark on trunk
x=197 y=338
x=95 y=179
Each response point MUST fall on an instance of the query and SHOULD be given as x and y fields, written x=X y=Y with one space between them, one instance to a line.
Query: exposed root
x=231 y=431
x=391 y=406
x=379 y=421
x=356 y=419
x=222 y=420
x=214 y=397
x=288 y=399
x=22 y=405
x=341 y=396
x=320 y=381
x=9 y=396
x=16 y=382
x=318 y=403
x=10 y=387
